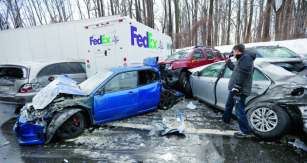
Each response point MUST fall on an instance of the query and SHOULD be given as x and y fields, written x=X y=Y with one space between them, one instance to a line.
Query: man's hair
x=239 y=47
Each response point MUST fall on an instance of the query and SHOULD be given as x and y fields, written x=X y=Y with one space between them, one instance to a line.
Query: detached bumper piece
x=28 y=133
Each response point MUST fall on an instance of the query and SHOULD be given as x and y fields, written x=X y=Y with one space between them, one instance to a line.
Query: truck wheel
x=183 y=81
x=268 y=121
x=72 y=127
x=166 y=100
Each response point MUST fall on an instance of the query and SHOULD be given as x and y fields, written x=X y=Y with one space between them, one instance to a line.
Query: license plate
x=4 y=88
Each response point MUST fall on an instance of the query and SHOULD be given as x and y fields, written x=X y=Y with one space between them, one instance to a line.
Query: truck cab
x=174 y=70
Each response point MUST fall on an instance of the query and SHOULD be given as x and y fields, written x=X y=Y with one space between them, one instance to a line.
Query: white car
x=278 y=98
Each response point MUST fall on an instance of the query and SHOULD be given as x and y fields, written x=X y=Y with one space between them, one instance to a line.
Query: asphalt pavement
x=132 y=140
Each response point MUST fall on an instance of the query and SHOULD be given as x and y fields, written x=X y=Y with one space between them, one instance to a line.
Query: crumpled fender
x=58 y=120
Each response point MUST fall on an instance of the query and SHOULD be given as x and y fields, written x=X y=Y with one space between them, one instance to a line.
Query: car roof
x=129 y=68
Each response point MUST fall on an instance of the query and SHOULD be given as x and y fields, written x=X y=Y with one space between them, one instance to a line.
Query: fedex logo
x=102 y=40
x=142 y=41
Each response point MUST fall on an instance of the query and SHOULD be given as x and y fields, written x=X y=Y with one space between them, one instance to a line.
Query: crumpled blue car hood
x=62 y=84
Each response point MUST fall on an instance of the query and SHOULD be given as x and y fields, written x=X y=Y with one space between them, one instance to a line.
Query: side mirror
x=105 y=52
x=100 y=92
x=196 y=73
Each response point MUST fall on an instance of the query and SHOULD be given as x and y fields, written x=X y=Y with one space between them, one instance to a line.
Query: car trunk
x=12 y=77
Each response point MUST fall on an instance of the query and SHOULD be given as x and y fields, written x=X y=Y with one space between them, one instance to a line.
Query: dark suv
x=174 y=70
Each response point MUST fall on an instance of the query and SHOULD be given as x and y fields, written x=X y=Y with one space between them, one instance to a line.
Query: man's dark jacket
x=242 y=75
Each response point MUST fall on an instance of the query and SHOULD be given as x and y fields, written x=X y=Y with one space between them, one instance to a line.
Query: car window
x=218 y=54
x=200 y=53
x=148 y=76
x=71 y=68
x=227 y=73
x=83 y=66
x=268 y=52
x=123 y=81
x=258 y=76
x=209 y=54
x=49 y=70
x=212 y=71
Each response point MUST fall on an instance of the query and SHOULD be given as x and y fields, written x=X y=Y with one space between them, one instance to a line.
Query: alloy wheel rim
x=264 y=119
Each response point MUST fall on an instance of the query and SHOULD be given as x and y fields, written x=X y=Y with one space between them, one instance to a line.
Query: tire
x=76 y=124
x=278 y=125
x=166 y=100
x=182 y=82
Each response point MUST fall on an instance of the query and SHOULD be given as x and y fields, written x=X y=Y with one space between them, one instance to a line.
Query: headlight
x=168 y=66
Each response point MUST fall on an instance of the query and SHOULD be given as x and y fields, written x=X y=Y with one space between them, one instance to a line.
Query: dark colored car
x=174 y=70
x=64 y=108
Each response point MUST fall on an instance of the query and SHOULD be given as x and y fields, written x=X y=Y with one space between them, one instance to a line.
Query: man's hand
x=236 y=89
x=226 y=59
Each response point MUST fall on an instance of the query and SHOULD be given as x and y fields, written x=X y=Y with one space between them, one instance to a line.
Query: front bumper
x=19 y=98
x=28 y=133
x=170 y=76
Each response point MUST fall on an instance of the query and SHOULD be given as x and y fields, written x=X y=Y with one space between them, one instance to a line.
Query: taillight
x=120 y=20
x=28 y=87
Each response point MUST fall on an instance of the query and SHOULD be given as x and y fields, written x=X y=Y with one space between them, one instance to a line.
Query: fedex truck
x=120 y=42
x=59 y=41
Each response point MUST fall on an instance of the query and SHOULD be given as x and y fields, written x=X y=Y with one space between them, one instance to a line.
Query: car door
x=73 y=70
x=119 y=98
x=260 y=85
x=204 y=83
x=48 y=74
x=210 y=56
x=149 y=90
x=201 y=60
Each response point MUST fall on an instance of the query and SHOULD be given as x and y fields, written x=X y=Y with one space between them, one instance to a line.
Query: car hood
x=62 y=84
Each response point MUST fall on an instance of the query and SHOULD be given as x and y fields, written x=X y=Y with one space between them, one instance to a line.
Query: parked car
x=20 y=82
x=278 y=98
x=174 y=70
x=273 y=52
x=65 y=108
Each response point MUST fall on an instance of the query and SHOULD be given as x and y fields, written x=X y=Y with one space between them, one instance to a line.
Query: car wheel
x=72 y=127
x=166 y=100
x=269 y=122
x=183 y=81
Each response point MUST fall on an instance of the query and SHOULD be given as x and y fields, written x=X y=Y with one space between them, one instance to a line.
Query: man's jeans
x=240 y=112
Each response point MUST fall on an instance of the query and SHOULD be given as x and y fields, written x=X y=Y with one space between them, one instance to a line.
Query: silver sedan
x=278 y=98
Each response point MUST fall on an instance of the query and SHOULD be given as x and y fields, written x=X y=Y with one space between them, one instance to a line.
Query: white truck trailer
x=60 y=41
x=122 y=41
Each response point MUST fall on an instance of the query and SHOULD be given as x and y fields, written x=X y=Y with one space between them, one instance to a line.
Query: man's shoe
x=223 y=123
x=242 y=135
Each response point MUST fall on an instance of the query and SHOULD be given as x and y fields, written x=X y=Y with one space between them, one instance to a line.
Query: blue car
x=64 y=108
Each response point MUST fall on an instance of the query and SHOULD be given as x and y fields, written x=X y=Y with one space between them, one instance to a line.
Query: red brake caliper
x=75 y=119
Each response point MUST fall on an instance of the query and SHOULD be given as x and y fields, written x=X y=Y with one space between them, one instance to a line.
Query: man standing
x=239 y=86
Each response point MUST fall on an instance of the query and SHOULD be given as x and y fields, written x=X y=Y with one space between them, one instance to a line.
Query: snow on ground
x=297 y=45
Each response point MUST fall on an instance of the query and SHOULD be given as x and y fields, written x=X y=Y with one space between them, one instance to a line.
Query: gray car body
x=32 y=69
x=276 y=88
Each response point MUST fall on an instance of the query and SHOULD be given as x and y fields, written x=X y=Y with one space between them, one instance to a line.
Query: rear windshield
x=184 y=54
x=13 y=72
x=268 y=52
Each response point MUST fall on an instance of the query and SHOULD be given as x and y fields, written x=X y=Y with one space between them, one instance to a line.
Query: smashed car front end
x=33 y=122
x=31 y=125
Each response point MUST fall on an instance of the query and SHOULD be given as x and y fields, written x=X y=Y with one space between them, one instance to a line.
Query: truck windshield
x=89 y=85
x=183 y=54
x=268 y=52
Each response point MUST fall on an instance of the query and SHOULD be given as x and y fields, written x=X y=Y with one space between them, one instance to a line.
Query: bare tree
x=238 y=22
x=210 y=24
x=229 y=23
x=267 y=21
x=248 y=32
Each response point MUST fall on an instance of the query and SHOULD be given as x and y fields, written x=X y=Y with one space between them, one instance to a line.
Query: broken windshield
x=89 y=85
x=184 y=54
x=268 y=52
